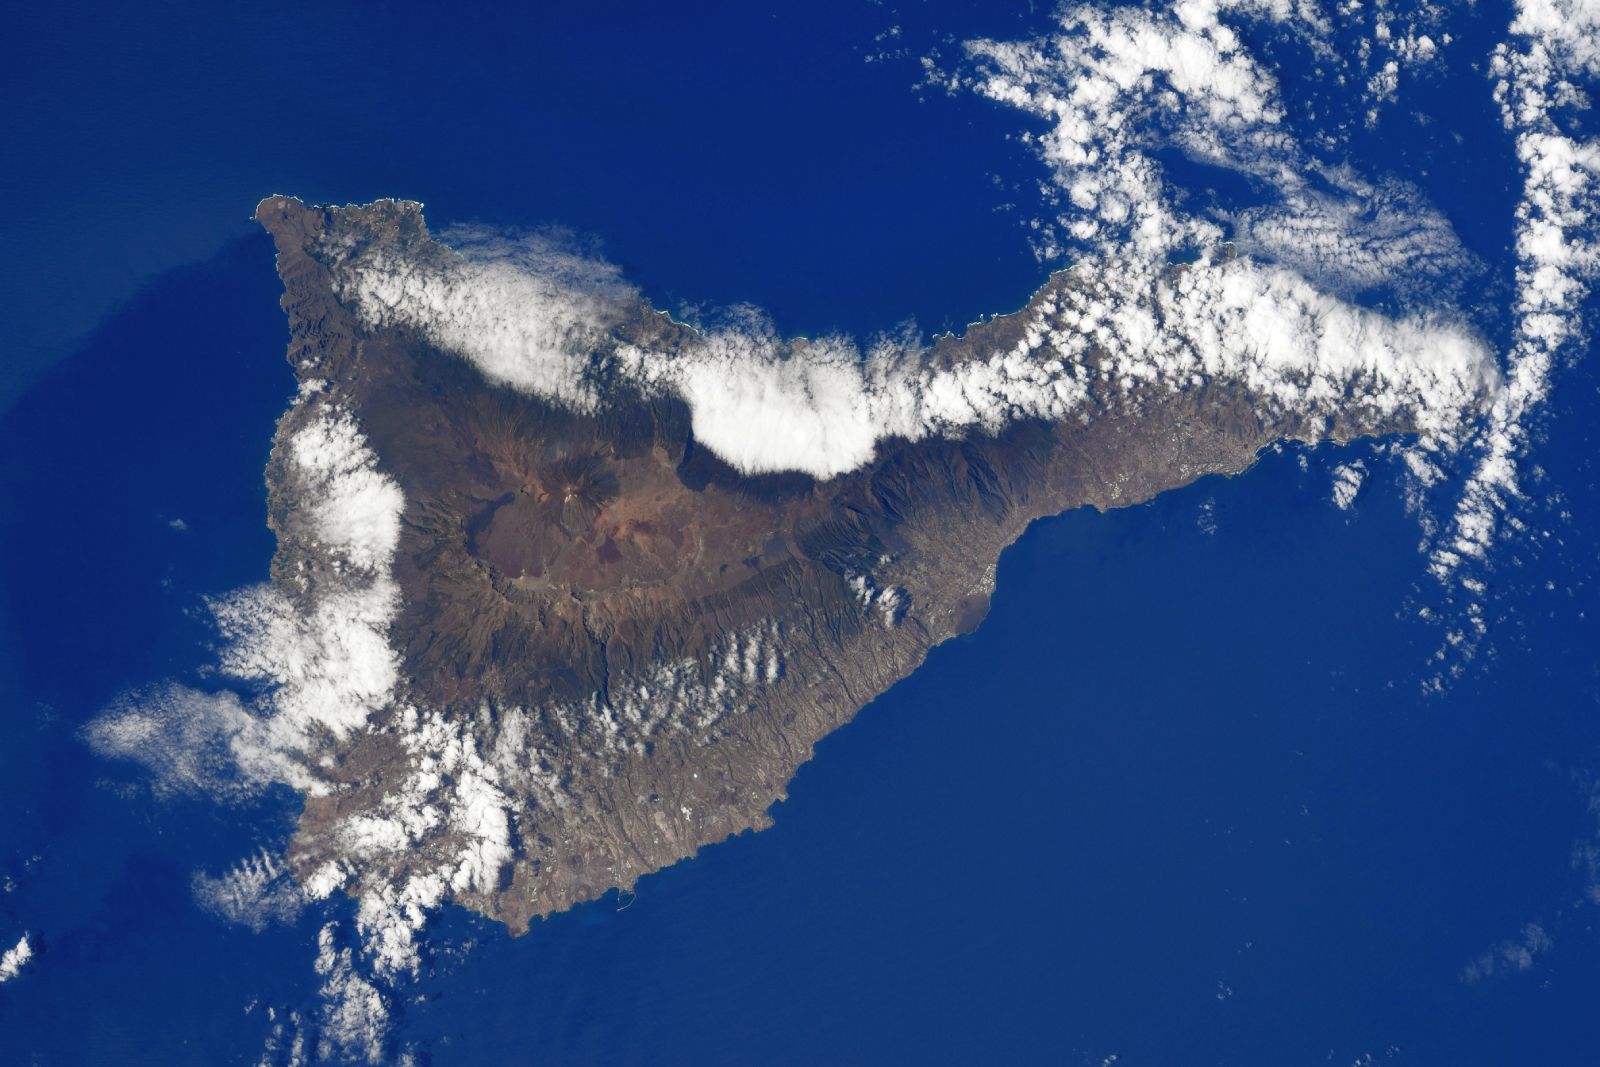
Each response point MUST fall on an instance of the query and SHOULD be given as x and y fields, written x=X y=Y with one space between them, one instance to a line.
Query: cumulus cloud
x=285 y=1042
x=327 y=668
x=15 y=958
x=447 y=827
x=1347 y=479
x=1118 y=84
x=356 y=510
x=1395 y=41
x=355 y=1014
x=326 y=659
x=1558 y=253
x=314 y=663
x=1568 y=29
x=324 y=671
x=444 y=828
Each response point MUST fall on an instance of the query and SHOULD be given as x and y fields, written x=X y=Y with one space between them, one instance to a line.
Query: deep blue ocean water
x=1180 y=800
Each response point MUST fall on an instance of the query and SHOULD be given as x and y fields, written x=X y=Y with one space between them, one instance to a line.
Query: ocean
x=1186 y=797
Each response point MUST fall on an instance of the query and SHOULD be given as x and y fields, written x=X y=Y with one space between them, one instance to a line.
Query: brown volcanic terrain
x=651 y=642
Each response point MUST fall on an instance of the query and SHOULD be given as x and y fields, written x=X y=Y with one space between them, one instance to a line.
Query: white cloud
x=1347 y=479
x=324 y=662
x=328 y=667
x=1115 y=95
x=568 y=302
x=1395 y=41
x=356 y=510
x=355 y=1014
x=1119 y=324
x=285 y=1042
x=445 y=829
x=320 y=665
x=15 y=958
x=191 y=742
x=1272 y=317
x=1517 y=954
x=1115 y=86
x=1558 y=254
x=1120 y=86
x=1351 y=235
x=257 y=891
x=1569 y=29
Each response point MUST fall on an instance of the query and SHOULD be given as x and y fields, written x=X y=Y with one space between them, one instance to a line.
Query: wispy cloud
x=256 y=892
x=1514 y=954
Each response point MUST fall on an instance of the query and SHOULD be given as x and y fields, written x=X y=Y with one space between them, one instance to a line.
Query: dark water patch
x=135 y=490
x=726 y=153
x=137 y=477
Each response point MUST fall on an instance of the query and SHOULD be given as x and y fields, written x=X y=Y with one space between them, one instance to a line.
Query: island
x=613 y=645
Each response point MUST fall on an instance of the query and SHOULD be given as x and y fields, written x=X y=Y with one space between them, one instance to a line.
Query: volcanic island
x=645 y=642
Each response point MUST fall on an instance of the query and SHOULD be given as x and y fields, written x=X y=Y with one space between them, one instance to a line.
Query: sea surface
x=1187 y=796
